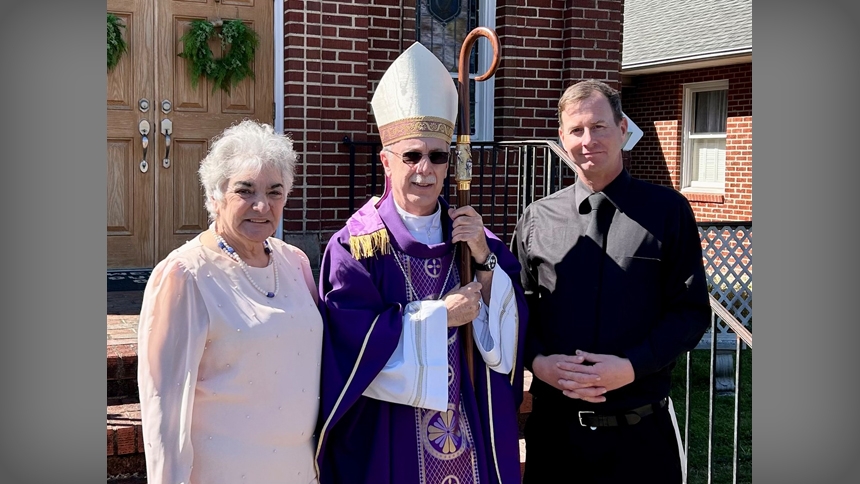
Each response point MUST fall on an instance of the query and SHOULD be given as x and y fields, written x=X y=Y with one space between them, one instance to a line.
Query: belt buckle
x=580 y=414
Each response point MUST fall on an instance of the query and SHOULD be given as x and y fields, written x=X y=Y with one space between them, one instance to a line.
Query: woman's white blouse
x=228 y=378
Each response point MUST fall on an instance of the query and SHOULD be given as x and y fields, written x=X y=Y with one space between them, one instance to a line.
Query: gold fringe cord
x=363 y=246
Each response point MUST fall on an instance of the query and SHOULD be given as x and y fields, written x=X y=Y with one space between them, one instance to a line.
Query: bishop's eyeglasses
x=415 y=157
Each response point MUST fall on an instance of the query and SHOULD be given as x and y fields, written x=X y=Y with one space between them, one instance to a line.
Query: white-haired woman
x=230 y=333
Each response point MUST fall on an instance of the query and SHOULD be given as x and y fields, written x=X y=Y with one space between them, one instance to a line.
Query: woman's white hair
x=246 y=146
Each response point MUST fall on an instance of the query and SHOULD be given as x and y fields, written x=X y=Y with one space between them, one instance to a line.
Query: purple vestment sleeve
x=364 y=328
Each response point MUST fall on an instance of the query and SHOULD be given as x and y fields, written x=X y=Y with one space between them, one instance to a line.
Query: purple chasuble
x=371 y=269
x=446 y=451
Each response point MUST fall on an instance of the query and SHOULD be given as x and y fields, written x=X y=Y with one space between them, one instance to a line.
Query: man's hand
x=463 y=304
x=612 y=371
x=575 y=382
x=469 y=228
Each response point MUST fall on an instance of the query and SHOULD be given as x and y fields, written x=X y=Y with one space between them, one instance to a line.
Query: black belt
x=630 y=417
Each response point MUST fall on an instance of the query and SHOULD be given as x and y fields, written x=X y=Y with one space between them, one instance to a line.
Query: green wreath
x=116 y=45
x=237 y=40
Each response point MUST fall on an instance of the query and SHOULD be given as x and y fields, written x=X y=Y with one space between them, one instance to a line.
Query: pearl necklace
x=233 y=255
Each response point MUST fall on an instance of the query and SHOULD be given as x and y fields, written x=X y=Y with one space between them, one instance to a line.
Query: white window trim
x=278 y=20
x=687 y=185
x=485 y=90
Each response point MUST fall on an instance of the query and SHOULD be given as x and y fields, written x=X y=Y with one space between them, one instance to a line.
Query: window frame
x=484 y=109
x=485 y=90
x=687 y=184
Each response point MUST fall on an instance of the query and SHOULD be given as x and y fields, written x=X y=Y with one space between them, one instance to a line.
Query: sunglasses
x=415 y=157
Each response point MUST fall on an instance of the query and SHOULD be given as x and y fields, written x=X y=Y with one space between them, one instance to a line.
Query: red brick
x=126 y=440
x=110 y=442
x=526 y=406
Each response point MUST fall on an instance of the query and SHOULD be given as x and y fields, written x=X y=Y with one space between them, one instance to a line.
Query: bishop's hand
x=463 y=304
x=468 y=227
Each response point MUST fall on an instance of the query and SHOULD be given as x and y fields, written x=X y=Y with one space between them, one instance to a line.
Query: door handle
x=166 y=130
x=143 y=128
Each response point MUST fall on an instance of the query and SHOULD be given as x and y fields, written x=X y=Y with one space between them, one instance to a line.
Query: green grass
x=723 y=420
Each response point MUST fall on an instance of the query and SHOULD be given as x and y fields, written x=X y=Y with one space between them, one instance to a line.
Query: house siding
x=655 y=103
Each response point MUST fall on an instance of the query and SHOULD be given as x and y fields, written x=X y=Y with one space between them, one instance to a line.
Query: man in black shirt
x=616 y=293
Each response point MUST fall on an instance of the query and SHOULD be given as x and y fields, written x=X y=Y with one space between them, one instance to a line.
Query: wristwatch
x=488 y=264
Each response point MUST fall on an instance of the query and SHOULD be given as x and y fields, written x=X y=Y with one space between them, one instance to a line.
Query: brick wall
x=547 y=45
x=655 y=103
x=326 y=64
x=337 y=50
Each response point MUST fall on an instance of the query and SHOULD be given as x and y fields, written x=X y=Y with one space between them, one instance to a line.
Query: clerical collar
x=426 y=229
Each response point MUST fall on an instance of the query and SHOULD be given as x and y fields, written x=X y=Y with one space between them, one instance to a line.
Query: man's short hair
x=583 y=90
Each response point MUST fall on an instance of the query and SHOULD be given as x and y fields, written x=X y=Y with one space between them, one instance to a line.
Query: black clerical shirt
x=646 y=299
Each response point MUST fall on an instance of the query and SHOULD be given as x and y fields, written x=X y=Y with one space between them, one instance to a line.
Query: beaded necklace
x=233 y=255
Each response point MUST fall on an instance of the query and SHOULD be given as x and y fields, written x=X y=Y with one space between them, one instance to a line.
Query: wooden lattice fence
x=727 y=256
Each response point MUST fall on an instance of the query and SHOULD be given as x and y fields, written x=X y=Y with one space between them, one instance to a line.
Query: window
x=441 y=25
x=705 y=113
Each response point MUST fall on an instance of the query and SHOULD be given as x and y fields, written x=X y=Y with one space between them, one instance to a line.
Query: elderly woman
x=230 y=334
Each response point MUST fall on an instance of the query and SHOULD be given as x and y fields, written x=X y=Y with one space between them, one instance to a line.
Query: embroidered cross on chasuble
x=446 y=451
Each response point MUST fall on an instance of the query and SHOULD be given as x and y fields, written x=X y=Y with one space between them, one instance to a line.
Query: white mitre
x=415 y=98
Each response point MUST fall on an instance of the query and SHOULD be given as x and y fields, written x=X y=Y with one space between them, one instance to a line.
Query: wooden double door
x=159 y=127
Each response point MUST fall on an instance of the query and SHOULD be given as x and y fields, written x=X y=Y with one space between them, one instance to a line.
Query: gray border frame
x=53 y=198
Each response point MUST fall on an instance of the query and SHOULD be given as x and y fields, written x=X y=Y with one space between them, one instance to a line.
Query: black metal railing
x=353 y=146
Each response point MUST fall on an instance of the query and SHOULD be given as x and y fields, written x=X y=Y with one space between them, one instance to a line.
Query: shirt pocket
x=641 y=292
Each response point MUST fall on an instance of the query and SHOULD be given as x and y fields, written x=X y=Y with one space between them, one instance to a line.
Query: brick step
x=123 y=310
x=122 y=369
x=125 y=459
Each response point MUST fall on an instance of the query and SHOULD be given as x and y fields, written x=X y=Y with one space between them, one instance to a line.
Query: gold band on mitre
x=416 y=127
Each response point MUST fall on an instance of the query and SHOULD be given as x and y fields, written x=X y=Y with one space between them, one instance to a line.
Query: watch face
x=488 y=264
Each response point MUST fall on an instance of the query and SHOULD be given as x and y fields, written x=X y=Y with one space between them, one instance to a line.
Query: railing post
x=738 y=347
x=712 y=396
x=507 y=189
x=687 y=412
x=349 y=143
